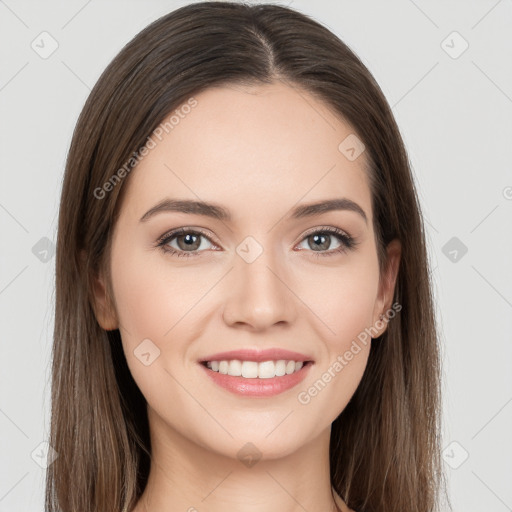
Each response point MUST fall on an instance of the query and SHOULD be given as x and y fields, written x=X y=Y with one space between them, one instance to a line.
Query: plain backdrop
x=445 y=68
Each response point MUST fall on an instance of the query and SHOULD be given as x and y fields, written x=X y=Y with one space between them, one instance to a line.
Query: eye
x=320 y=241
x=188 y=242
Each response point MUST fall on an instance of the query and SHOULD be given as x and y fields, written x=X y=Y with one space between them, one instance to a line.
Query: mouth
x=256 y=378
x=254 y=369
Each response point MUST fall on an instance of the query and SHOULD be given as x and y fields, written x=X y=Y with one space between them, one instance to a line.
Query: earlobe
x=387 y=286
x=103 y=307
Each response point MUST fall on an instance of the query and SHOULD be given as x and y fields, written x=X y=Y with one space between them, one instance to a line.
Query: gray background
x=454 y=110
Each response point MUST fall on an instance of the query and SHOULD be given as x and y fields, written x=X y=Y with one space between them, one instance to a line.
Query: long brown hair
x=385 y=446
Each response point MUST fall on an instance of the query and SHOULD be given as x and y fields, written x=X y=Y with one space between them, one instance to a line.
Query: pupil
x=188 y=241
x=318 y=241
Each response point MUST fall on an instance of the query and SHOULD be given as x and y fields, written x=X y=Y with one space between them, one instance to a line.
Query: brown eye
x=319 y=241
x=328 y=241
x=190 y=241
x=184 y=242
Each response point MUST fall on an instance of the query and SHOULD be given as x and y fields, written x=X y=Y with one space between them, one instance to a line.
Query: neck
x=190 y=477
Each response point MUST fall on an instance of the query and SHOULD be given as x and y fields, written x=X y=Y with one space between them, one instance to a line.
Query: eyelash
x=347 y=242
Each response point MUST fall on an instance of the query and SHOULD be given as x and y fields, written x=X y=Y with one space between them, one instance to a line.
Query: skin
x=258 y=151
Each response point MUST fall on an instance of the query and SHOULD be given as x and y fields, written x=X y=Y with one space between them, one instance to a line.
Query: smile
x=254 y=369
x=253 y=379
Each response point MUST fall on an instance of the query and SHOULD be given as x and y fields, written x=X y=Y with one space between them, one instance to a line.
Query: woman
x=244 y=316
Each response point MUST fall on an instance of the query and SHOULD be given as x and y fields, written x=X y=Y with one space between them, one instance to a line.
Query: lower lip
x=258 y=387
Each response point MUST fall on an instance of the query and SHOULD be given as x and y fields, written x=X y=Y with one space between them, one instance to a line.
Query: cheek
x=343 y=299
x=151 y=296
x=141 y=299
x=152 y=306
x=158 y=303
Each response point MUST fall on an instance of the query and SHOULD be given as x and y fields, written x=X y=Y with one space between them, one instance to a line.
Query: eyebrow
x=218 y=212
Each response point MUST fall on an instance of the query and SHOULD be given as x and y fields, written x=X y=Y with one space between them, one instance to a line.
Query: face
x=263 y=276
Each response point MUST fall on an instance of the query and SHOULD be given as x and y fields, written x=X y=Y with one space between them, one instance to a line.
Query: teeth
x=235 y=368
x=253 y=370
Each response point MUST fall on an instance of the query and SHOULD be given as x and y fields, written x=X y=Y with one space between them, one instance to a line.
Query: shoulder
x=341 y=504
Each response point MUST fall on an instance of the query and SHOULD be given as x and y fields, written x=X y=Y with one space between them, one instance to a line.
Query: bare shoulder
x=341 y=504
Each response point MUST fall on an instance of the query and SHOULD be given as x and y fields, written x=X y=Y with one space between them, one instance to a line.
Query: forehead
x=250 y=147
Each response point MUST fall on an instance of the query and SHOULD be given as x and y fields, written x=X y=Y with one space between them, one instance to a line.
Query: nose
x=259 y=295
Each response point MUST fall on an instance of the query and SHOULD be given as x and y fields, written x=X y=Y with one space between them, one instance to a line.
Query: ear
x=103 y=308
x=387 y=287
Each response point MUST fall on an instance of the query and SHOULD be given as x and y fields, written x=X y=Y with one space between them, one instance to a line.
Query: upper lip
x=248 y=354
